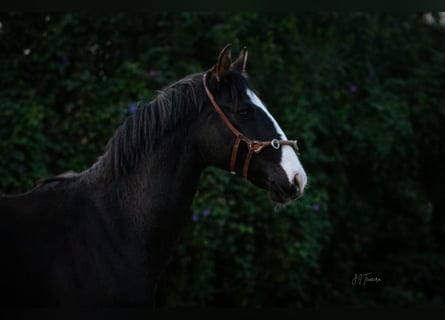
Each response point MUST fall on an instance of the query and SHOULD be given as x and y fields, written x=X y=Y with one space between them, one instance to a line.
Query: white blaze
x=289 y=159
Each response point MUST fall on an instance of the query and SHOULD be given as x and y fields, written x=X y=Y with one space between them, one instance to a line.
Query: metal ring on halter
x=275 y=144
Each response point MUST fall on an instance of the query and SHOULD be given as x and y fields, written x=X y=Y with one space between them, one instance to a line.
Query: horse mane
x=141 y=132
x=61 y=176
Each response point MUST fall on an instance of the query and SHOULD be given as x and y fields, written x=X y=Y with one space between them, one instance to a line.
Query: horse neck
x=153 y=198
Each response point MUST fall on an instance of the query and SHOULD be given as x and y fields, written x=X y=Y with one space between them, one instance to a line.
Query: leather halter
x=254 y=146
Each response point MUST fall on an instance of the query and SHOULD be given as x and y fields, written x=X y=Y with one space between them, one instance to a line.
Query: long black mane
x=141 y=132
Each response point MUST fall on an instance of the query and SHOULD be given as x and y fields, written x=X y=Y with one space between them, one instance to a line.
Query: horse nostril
x=296 y=185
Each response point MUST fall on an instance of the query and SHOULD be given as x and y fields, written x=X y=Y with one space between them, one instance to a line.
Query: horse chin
x=282 y=193
x=279 y=197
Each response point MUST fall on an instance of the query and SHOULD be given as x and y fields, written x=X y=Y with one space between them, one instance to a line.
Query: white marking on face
x=289 y=159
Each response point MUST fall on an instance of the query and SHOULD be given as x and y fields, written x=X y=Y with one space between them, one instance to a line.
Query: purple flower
x=353 y=88
x=205 y=212
x=195 y=217
x=132 y=107
x=153 y=73
x=371 y=72
x=64 y=57
x=65 y=60
x=316 y=207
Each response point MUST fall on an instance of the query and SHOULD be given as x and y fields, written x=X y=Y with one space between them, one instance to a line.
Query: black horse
x=103 y=236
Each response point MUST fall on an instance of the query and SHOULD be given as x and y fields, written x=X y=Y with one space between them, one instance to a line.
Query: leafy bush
x=363 y=93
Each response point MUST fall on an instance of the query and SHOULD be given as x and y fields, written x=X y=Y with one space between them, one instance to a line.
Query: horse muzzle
x=286 y=192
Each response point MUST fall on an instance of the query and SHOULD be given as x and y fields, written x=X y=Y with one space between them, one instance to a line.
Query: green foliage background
x=364 y=93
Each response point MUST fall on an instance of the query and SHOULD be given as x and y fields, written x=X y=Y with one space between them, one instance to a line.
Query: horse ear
x=223 y=63
x=240 y=63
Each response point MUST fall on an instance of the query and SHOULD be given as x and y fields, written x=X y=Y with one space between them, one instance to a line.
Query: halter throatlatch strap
x=234 y=154
x=253 y=145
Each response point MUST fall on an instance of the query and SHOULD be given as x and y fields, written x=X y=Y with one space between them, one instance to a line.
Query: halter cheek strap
x=254 y=146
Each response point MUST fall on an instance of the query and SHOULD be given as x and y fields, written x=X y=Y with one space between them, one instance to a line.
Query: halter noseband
x=254 y=146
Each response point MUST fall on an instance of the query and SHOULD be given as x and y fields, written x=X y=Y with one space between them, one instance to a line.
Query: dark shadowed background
x=363 y=93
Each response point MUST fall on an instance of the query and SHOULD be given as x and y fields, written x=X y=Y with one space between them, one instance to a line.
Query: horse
x=103 y=236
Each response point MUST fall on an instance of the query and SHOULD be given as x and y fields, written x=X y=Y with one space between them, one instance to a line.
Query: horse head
x=243 y=137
